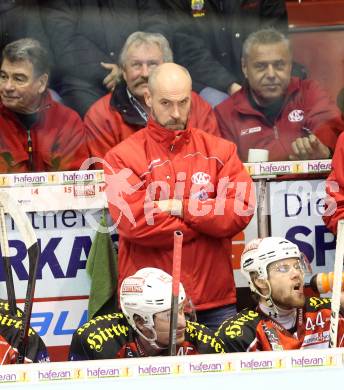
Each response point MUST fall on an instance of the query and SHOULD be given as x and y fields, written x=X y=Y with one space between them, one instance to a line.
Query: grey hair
x=28 y=49
x=264 y=36
x=139 y=38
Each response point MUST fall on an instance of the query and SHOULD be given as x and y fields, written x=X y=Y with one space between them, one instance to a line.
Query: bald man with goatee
x=169 y=96
x=170 y=176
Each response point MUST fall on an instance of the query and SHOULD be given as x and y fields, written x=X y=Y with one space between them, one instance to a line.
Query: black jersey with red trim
x=36 y=351
x=252 y=330
x=110 y=336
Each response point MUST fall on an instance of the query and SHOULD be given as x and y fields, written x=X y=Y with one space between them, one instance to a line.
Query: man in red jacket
x=335 y=189
x=293 y=119
x=116 y=116
x=37 y=133
x=173 y=176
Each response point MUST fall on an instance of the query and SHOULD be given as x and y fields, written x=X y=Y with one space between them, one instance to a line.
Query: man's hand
x=309 y=148
x=110 y=80
x=233 y=88
x=171 y=206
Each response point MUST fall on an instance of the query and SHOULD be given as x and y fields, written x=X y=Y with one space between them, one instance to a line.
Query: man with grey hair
x=178 y=176
x=37 y=133
x=121 y=113
x=293 y=119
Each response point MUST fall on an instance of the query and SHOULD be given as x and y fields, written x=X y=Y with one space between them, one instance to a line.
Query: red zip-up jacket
x=112 y=118
x=335 y=189
x=306 y=109
x=57 y=136
x=205 y=172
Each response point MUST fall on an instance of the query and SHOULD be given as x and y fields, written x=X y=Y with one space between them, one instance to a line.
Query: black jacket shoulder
x=238 y=332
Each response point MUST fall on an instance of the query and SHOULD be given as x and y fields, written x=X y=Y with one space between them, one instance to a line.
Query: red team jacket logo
x=296 y=116
x=200 y=178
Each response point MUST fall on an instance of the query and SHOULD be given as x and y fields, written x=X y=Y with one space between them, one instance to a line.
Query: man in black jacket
x=209 y=34
x=21 y=19
x=86 y=37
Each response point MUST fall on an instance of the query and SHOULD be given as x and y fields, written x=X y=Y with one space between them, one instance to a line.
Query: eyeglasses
x=284 y=268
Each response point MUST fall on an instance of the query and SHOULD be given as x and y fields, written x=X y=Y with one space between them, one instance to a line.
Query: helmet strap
x=273 y=309
x=152 y=340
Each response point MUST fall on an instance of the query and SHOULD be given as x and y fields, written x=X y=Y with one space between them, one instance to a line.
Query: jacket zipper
x=283 y=105
x=29 y=149
x=276 y=132
x=173 y=144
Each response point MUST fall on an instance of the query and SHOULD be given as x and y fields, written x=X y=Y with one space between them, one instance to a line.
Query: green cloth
x=102 y=268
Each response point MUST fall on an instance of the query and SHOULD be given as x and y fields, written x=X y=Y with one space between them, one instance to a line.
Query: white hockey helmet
x=146 y=293
x=261 y=252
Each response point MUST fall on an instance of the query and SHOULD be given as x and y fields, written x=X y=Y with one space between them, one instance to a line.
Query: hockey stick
x=262 y=209
x=337 y=284
x=176 y=268
x=26 y=231
x=5 y=251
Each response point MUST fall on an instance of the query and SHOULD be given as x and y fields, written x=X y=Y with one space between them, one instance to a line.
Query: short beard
x=178 y=124
x=291 y=304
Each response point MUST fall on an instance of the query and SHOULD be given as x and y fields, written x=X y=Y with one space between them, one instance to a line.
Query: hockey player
x=284 y=317
x=10 y=325
x=142 y=329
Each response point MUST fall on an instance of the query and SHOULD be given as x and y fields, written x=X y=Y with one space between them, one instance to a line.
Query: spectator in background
x=171 y=176
x=36 y=133
x=335 y=189
x=119 y=114
x=87 y=36
x=293 y=119
x=21 y=19
x=284 y=318
x=143 y=328
x=208 y=37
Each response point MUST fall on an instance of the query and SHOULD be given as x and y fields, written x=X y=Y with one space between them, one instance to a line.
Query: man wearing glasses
x=284 y=317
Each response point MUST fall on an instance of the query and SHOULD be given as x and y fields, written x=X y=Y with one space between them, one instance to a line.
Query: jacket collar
x=120 y=102
x=46 y=103
x=172 y=139
x=243 y=105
